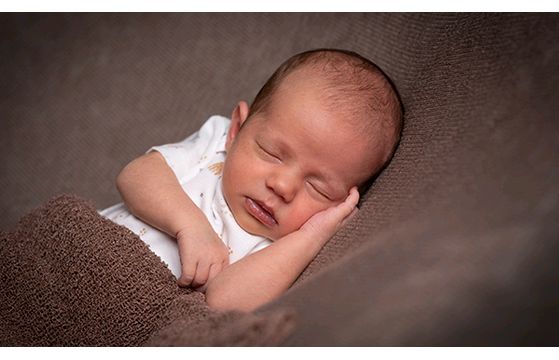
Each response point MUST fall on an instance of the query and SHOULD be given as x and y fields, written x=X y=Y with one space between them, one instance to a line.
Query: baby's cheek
x=301 y=215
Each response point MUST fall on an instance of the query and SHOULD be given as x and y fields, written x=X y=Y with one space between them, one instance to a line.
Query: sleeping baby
x=240 y=208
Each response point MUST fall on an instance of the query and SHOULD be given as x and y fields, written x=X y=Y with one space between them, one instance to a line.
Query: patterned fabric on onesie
x=197 y=161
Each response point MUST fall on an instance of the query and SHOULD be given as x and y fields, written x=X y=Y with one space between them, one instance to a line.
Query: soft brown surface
x=71 y=278
x=456 y=243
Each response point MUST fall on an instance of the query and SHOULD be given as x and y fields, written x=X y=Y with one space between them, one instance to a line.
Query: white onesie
x=197 y=161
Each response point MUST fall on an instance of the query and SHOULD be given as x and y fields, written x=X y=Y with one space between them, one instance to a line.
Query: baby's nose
x=284 y=185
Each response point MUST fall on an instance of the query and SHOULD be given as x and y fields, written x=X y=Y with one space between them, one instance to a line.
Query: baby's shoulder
x=216 y=125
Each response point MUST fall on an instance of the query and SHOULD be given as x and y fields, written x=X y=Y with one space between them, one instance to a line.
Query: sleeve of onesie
x=186 y=156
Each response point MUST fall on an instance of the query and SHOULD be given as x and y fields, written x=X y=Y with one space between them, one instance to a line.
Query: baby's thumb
x=350 y=203
x=350 y=216
x=342 y=213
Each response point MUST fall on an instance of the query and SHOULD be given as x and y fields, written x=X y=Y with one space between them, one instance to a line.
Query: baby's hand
x=325 y=224
x=203 y=255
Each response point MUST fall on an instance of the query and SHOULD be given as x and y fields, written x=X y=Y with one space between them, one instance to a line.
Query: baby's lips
x=267 y=208
x=260 y=213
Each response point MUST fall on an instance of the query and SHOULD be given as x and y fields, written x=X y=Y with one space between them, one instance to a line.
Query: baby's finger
x=201 y=277
x=349 y=203
x=214 y=270
x=188 y=272
x=353 y=197
x=350 y=216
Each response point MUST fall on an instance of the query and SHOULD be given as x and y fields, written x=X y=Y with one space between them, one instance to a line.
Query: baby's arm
x=151 y=191
x=266 y=274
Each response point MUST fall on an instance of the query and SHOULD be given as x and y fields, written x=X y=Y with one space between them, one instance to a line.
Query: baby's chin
x=256 y=229
x=253 y=227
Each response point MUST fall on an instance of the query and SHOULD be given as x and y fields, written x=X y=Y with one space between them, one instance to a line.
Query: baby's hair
x=354 y=84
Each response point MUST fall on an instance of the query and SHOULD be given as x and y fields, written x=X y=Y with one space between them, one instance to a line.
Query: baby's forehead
x=346 y=118
x=357 y=104
x=323 y=141
x=338 y=91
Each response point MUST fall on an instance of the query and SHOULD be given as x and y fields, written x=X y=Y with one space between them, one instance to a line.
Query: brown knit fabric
x=70 y=277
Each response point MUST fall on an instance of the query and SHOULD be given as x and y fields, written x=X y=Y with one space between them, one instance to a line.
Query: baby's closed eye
x=267 y=152
x=318 y=190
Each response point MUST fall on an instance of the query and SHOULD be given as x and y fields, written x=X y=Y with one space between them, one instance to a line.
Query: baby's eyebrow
x=282 y=147
x=271 y=141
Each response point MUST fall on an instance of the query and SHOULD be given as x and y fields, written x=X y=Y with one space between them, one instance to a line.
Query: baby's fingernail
x=184 y=282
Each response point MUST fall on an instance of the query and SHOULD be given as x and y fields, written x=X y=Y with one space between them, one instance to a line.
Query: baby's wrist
x=199 y=229
x=193 y=225
x=311 y=236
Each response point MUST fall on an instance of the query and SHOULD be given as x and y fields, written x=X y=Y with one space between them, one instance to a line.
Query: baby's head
x=326 y=121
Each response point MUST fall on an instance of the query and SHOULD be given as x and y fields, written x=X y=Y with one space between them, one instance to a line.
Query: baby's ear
x=238 y=117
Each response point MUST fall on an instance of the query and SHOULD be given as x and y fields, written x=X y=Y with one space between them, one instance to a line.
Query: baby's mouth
x=258 y=211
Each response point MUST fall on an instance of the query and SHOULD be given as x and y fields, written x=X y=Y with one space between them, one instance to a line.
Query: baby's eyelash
x=320 y=192
x=267 y=152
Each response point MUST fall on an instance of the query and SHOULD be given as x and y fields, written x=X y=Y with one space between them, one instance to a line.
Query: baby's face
x=290 y=162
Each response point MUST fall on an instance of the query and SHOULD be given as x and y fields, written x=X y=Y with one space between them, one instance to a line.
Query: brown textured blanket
x=70 y=277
